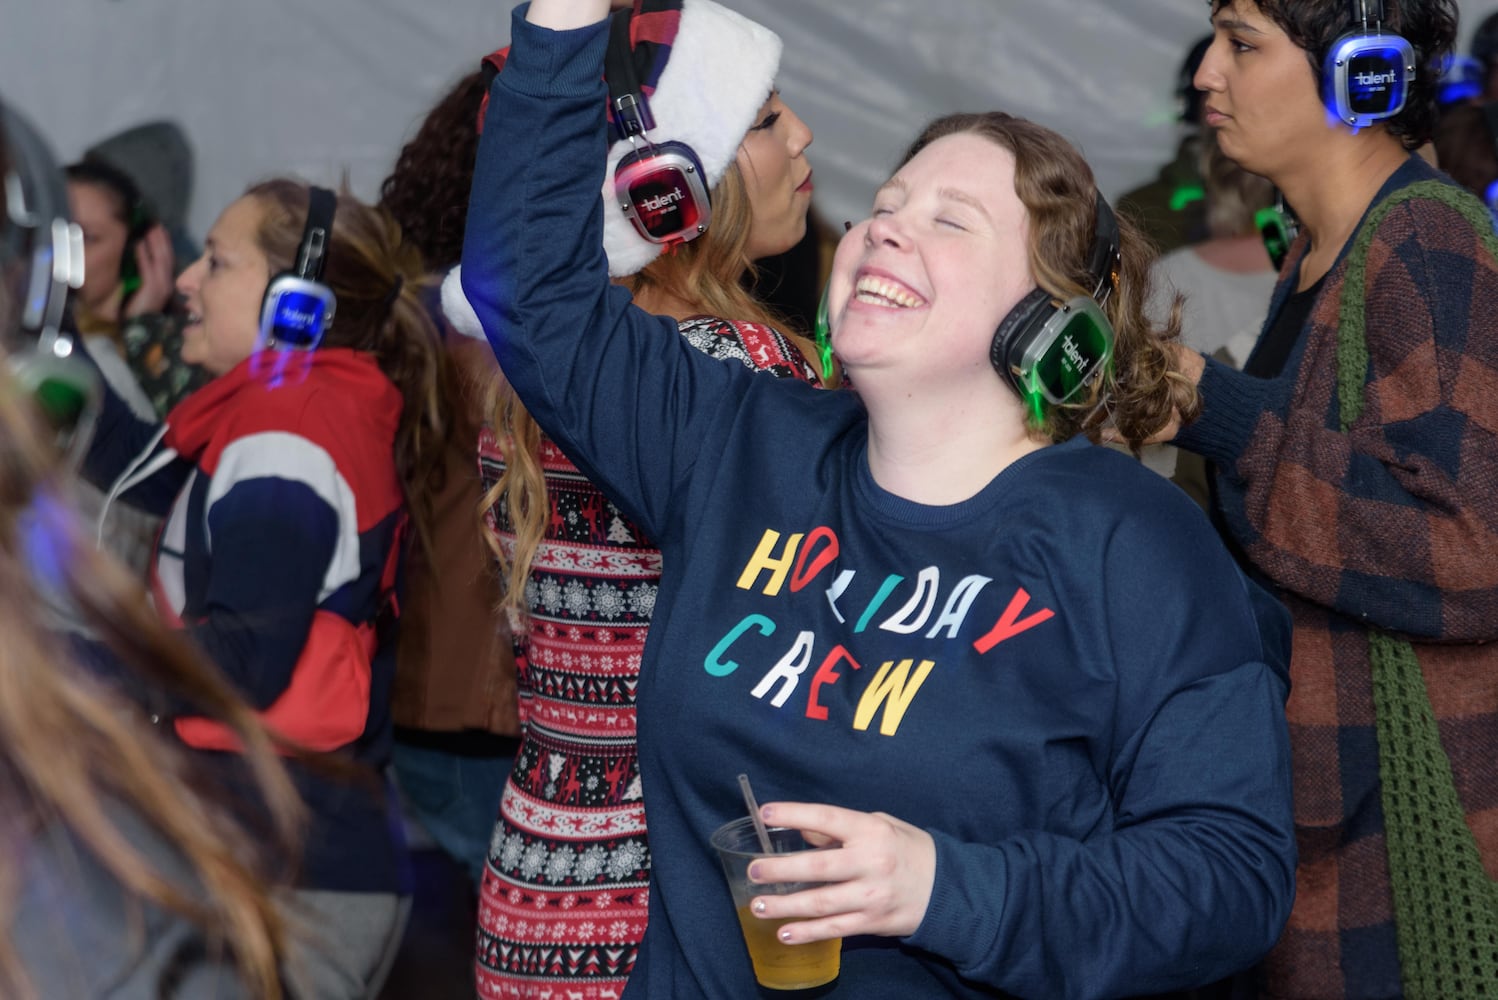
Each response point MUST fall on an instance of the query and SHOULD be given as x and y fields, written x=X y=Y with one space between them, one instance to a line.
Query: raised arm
x=562 y=15
x=599 y=375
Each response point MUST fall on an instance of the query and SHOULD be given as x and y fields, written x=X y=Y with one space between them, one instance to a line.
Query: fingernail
x=753 y=873
x=847 y=226
x=785 y=935
x=766 y=813
x=759 y=906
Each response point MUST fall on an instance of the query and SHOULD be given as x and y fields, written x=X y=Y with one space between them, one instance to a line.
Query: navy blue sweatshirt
x=1064 y=679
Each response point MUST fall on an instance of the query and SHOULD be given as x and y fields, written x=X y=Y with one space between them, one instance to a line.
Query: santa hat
x=705 y=71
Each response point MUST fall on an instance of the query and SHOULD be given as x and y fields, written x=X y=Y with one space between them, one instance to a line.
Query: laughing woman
x=1009 y=672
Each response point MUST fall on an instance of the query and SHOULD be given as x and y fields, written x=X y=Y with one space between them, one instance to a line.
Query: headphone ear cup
x=295 y=312
x=267 y=302
x=663 y=191
x=1366 y=76
x=1018 y=326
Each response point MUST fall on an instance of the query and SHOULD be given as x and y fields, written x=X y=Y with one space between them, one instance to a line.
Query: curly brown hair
x=427 y=191
x=1145 y=387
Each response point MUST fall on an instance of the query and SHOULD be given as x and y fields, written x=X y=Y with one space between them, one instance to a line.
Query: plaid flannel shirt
x=1393 y=524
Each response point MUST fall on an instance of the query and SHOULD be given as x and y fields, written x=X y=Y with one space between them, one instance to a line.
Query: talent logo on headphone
x=661 y=189
x=298 y=321
x=1375 y=82
x=1368 y=77
x=293 y=320
x=1072 y=351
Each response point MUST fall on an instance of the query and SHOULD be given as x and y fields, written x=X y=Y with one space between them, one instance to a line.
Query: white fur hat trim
x=720 y=71
x=456 y=307
x=738 y=59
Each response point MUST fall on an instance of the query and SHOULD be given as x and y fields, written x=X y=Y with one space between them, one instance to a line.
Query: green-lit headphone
x=1052 y=351
x=41 y=257
x=1278 y=228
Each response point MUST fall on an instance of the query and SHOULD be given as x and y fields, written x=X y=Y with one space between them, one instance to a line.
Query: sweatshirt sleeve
x=1193 y=878
x=598 y=374
x=1394 y=521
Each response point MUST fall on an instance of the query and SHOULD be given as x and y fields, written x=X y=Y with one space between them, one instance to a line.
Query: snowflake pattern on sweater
x=564 y=897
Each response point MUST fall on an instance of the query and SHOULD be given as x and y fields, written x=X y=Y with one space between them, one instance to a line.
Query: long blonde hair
x=74 y=750
x=708 y=274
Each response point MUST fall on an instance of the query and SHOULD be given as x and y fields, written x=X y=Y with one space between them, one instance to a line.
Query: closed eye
x=768 y=122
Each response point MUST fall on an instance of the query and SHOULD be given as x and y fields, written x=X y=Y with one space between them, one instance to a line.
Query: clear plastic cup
x=777 y=965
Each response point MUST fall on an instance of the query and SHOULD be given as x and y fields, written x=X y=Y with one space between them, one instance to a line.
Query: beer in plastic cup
x=777 y=965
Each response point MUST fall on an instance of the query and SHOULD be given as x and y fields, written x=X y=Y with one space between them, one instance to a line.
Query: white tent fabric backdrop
x=331 y=88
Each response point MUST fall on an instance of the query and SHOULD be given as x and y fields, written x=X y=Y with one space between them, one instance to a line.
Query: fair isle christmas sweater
x=563 y=903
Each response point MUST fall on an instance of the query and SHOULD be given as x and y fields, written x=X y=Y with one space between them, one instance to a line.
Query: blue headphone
x=1367 y=73
x=298 y=308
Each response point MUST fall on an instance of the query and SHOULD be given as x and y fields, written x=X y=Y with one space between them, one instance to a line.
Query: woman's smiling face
x=224 y=289
x=919 y=288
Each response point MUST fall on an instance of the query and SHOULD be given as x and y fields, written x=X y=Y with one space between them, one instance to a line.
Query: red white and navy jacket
x=284 y=515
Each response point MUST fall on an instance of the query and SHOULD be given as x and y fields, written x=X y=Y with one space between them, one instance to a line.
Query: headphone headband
x=312 y=252
x=1105 y=257
x=626 y=97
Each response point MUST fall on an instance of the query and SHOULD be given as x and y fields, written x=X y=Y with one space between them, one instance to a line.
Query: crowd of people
x=472 y=507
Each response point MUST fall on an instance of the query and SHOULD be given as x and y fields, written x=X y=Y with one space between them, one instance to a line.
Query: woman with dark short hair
x=1355 y=458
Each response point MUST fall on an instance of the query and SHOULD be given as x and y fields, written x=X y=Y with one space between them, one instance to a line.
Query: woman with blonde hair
x=285 y=483
x=580 y=573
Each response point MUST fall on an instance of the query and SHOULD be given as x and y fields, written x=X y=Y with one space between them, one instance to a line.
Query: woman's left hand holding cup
x=879 y=879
